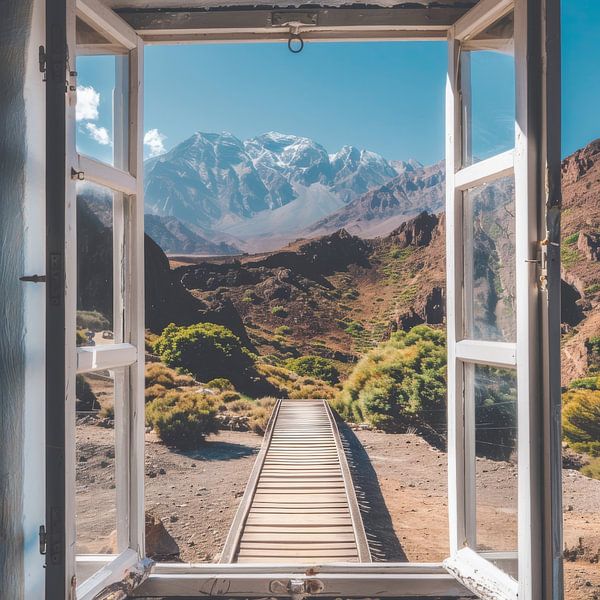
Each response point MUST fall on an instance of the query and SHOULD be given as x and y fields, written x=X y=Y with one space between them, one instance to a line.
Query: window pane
x=102 y=103
x=95 y=265
x=489 y=226
x=96 y=494
x=494 y=404
x=488 y=92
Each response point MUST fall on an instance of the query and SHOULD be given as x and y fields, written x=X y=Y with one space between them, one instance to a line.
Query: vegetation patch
x=315 y=366
x=279 y=311
x=92 y=319
x=581 y=419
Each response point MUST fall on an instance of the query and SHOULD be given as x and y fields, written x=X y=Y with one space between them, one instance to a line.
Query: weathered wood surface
x=301 y=505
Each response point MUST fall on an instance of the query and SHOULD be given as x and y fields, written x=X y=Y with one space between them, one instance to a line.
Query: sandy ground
x=401 y=483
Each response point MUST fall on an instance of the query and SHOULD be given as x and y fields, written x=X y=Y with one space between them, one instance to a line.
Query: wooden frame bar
x=484 y=13
x=103 y=19
x=105 y=175
x=497 y=354
x=107 y=356
x=485 y=171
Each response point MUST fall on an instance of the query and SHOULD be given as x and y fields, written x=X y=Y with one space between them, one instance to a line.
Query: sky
x=387 y=97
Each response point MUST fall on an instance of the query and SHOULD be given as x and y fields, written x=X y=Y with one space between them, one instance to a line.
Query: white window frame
x=125 y=357
x=536 y=494
x=127 y=354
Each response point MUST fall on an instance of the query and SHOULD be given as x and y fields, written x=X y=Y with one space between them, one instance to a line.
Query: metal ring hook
x=293 y=38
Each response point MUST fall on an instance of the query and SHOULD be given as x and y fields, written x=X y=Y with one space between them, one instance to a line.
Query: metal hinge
x=43 y=60
x=43 y=539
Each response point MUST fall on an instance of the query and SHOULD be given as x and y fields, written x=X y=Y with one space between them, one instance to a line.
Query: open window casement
x=114 y=358
x=509 y=350
x=501 y=236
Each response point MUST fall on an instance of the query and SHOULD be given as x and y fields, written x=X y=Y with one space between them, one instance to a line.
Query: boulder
x=589 y=245
x=159 y=543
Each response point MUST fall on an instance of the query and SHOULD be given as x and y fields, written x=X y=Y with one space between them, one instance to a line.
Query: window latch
x=43 y=539
x=33 y=278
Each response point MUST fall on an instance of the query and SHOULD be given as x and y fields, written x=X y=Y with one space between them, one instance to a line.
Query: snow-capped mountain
x=273 y=183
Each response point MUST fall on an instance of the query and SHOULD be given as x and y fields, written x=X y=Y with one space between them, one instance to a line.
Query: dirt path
x=402 y=483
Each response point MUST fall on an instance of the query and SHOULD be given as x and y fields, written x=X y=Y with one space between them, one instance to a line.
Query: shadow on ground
x=383 y=543
x=215 y=450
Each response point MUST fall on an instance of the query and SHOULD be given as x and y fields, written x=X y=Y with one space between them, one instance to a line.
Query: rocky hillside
x=381 y=210
x=580 y=255
x=339 y=294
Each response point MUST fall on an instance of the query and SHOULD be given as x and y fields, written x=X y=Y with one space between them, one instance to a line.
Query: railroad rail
x=299 y=505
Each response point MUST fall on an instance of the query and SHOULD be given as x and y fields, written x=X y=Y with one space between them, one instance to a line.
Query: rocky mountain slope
x=339 y=294
x=273 y=184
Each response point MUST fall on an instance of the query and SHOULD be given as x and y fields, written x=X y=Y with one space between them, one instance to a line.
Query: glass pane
x=495 y=418
x=489 y=230
x=95 y=265
x=487 y=72
x=102 y=102
x=95 y=481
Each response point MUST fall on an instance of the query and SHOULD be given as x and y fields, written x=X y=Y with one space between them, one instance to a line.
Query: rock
x=151 y=474
x=417 y=231
x=159 y=543
x=589 y=245
x=161 y=471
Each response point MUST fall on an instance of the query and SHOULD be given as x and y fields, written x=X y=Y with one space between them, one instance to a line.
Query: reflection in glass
x=95 y=250
x=95 y=479
x=101 y=110
x=489 y=221
x=487 y=76
x=495 y=417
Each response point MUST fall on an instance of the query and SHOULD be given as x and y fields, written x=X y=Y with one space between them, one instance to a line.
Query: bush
x=85 y=398
x=400 y=382
x=581 y=420
x=279 y=311
x=182 y=419
x=354 y=327
x=586 y=383
x=240 y=406
x=159 y=374
x=154 y=391
x=92 y=319
x=80 y=338
x=260 y=415
x=314 y=366
x=206 y=350
x=288 y=384
x=220 y=383
x=227 y=397
x=592 y=469
x=283 y=330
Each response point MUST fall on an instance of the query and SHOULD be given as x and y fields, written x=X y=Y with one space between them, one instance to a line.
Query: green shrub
x=228 y=397
x=592 y=469
x=154 y=391
x=581 y=420
x=206 y=350
x=80 y=338
x=288 y=384
x=92 y=319
x=159 y=374
x=283 y=330
x=240 y=406
x=260 y=415
x=314 y=366
x=572 y=239
x=220 y=383
x=354 y=327
x=182 y=420
x=279 y=311
x=400 y=382
x=586 y=383
x=592 y=289
x=85 y=398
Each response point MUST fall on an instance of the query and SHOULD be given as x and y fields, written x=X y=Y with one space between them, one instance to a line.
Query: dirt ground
x=401 y=483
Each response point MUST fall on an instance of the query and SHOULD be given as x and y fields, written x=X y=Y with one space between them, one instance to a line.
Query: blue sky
x=386 y=97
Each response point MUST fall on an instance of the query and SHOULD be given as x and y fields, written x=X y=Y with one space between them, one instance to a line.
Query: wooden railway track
x=299 y=505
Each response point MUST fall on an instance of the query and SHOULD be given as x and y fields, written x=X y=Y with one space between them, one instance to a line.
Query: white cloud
x=155 y=142
x=88 y=100
x=99 y=134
